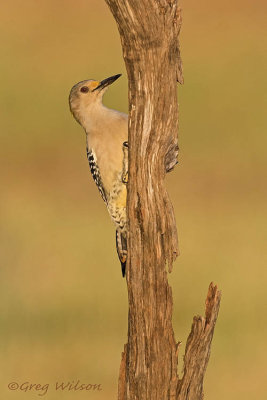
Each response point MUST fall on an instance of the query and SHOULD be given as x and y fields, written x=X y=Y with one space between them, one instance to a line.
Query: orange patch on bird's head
x=93 y=85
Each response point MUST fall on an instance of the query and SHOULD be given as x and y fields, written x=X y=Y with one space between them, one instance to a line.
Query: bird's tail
x=121 y=245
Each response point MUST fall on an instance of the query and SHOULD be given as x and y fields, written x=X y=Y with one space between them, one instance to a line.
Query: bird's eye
x=84 y=89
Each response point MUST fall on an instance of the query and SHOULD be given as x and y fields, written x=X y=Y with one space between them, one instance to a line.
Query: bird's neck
x=97 y=116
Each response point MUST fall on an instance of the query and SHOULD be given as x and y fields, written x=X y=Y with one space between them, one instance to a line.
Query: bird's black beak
x=107 y=82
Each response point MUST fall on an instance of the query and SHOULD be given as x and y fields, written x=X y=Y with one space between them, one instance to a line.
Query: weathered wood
x=197 y=351
x=149 y=32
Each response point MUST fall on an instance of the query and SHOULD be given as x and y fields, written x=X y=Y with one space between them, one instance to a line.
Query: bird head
x=87 y=94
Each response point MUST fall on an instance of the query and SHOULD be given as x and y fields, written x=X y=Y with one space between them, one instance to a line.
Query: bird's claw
x=124 y=176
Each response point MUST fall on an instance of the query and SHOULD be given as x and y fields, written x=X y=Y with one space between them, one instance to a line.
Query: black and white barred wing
x=95 y=172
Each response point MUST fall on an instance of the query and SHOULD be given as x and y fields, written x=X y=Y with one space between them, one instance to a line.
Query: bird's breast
x=109 y=160
x=105 y=137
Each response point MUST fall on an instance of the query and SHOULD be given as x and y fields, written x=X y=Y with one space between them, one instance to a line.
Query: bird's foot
x=124 y=176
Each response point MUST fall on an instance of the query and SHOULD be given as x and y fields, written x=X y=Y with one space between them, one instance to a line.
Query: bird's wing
x=95 y=172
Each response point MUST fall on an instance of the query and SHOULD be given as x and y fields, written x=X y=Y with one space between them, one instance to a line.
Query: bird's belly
x=110 y=165
x=109 y=159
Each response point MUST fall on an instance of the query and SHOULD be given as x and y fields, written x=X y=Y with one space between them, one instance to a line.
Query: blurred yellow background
x=63 y=305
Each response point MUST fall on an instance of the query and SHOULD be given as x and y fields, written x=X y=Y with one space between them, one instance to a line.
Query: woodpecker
x=107 y=151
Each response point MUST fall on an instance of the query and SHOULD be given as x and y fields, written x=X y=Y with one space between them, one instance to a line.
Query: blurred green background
x=63 y=305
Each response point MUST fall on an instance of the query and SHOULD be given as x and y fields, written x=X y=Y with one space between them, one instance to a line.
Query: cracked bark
x=149 y=32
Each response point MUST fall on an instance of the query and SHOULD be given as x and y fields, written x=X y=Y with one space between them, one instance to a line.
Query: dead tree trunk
x=149 y=32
